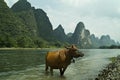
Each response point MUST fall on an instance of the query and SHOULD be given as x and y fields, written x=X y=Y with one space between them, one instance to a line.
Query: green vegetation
x=110 y=47
x=26 y=27
x=113 y=59
x=10 y=27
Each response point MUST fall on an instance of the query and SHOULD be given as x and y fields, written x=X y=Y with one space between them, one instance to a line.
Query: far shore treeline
x=24 y=26
x=110 y=47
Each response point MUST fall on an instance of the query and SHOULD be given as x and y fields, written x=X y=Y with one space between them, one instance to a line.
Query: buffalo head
x=73 y=52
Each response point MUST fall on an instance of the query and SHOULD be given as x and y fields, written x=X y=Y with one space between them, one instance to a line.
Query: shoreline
x=111 y=71
x=3 y=49
x=21 y=48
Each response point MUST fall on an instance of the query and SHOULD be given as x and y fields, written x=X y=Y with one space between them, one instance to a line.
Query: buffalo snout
x=78 y=54
x=81 y=54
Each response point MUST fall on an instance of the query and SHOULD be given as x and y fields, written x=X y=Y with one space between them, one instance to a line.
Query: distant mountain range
x=24 y=26
x=82 y=38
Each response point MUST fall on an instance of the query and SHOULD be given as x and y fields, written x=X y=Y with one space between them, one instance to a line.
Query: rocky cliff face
x=59 y=34
x=83 y=39
x=78 y=33
x=81 y=36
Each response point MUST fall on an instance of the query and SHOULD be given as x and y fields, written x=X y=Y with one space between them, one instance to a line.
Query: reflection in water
x=85 y=68
x=20 y=59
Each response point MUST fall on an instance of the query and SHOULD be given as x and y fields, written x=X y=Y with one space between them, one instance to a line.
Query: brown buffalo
x=61 y=59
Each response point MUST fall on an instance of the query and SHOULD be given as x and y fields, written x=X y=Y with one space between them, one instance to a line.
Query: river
x=29 y=65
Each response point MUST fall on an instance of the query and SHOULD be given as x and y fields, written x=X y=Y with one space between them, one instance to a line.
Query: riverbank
x=19 y=48
x=111 y=71
x=28 y=48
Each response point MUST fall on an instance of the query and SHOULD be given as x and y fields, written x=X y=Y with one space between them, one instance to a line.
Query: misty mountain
x=104 y=40
x=36 y=20
x=24 y=26
x=59 y=34
x=81 y=36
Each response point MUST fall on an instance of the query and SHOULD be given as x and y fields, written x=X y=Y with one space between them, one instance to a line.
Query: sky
x=100 y=17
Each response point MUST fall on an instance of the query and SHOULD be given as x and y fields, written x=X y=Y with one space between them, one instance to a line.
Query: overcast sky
x=101 y=17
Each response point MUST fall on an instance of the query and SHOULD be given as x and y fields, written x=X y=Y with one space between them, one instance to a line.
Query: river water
x=29 y=65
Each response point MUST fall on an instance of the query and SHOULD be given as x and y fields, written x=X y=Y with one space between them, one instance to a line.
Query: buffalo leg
x=62 y=73
x=51 y=70
x=46 y=68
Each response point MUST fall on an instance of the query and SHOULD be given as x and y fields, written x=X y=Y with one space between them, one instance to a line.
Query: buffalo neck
x=68 y=56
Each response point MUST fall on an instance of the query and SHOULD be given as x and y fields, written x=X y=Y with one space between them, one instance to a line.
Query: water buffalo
x=61 y=59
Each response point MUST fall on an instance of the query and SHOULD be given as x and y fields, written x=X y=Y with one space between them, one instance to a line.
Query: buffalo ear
x=62 y=56
x=73 y=47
